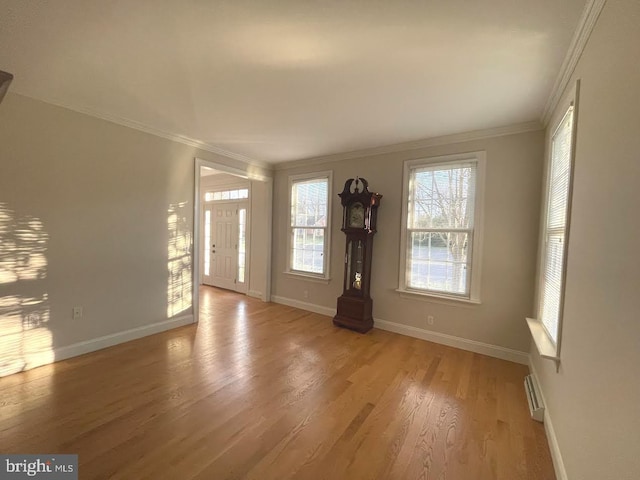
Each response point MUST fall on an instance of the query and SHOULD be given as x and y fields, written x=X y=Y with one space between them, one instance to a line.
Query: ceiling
x=282 y=80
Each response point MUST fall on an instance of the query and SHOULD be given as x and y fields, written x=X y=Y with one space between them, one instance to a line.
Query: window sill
x=308 y=277
x=434 y=297
x=544 y=345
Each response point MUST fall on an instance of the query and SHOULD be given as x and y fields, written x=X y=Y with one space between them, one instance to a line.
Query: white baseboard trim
x=255 y=294
x=554 y=447
x=453 y=341
x=55 y=355
x=441 y=338
x=310 y=307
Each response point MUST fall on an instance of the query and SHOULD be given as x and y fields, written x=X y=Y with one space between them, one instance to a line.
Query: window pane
x=309 y=212
x=552 y=279
x=439 y=261
x=207 y=242
x=441 y=205
x=236 y=194
x=242 y=243
x=442 y=196
x=560 y=170
x=309 y=203
x=307 y=250
x=555 y=226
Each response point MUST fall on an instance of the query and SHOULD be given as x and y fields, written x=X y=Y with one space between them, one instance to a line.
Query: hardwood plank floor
x=265 y=391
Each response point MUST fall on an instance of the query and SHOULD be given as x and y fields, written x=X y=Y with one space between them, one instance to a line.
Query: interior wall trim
x=587 y=22
x=415 y=145
x=429 y=335
x=554 y=446
x=495 y=351
x=309 y=307
x=255 y=294
x=175 y=137
x=61 y=353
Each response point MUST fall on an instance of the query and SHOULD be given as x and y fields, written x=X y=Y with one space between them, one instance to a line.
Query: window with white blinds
x=555 y=227
x=309 y=224
x=440 y=227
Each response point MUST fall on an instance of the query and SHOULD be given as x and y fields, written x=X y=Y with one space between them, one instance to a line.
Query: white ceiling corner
x=581 y=35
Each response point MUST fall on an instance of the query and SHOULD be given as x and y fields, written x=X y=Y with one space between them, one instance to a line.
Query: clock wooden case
x=359 y=219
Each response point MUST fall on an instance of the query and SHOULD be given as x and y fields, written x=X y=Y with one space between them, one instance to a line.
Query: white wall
x=594 y=400
x=222 y=179
x=512 y=197
x=261 y=198
x=98 y=197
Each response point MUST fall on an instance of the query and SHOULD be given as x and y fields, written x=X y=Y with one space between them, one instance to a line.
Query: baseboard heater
x=536 y=407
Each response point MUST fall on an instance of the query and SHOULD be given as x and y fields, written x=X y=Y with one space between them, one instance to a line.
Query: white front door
x=224 y=245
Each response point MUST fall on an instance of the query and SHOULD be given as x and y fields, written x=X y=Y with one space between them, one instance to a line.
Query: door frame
x=248 y=173
x=245 y=204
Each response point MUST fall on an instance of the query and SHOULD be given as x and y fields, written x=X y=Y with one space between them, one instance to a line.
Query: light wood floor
x=264 y=391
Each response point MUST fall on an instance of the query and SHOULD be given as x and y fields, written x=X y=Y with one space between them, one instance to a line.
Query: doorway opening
x=225 y=228
x=232 y=230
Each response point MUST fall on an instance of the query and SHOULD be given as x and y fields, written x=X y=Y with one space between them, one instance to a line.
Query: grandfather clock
x=359 y=218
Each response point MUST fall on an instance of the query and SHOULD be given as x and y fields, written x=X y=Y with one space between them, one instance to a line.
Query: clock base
x=354 y=313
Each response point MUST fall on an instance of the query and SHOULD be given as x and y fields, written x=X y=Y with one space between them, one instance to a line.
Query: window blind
x=556 y=226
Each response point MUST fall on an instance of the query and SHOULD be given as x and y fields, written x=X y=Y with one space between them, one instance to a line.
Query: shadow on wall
x=25 y=338
x=179 y=259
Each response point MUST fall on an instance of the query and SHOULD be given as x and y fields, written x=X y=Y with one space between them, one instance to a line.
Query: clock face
x=356 y=215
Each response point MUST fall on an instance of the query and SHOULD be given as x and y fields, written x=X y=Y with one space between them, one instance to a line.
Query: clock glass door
x=355 y=260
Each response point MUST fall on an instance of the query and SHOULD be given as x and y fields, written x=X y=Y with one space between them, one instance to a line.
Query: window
x=441 y=226
x=555 y=227
x=242 y=244
x=237 y=194
x=309 y=224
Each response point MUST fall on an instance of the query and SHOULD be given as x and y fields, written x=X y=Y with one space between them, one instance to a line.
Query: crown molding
x=175 y=137
x=415 y=145
x=587 y=22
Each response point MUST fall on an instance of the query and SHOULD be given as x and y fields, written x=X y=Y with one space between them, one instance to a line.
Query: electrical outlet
x=305 y=294
x=430 y=319
x=77 y=313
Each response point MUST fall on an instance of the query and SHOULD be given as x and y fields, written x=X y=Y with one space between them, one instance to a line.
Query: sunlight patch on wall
x=179 y=255
x=25 y=339
x=23 y=243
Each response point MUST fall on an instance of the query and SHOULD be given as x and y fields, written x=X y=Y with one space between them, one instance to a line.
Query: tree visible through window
x=440 y=226
x=309 y=221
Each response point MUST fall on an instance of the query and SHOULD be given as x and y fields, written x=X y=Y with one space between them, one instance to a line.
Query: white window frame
x=293 y=179
x=479 y=157
x=220 y=191
x=547 y=346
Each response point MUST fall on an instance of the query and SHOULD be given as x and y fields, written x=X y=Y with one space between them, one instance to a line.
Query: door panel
x=224 y=245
